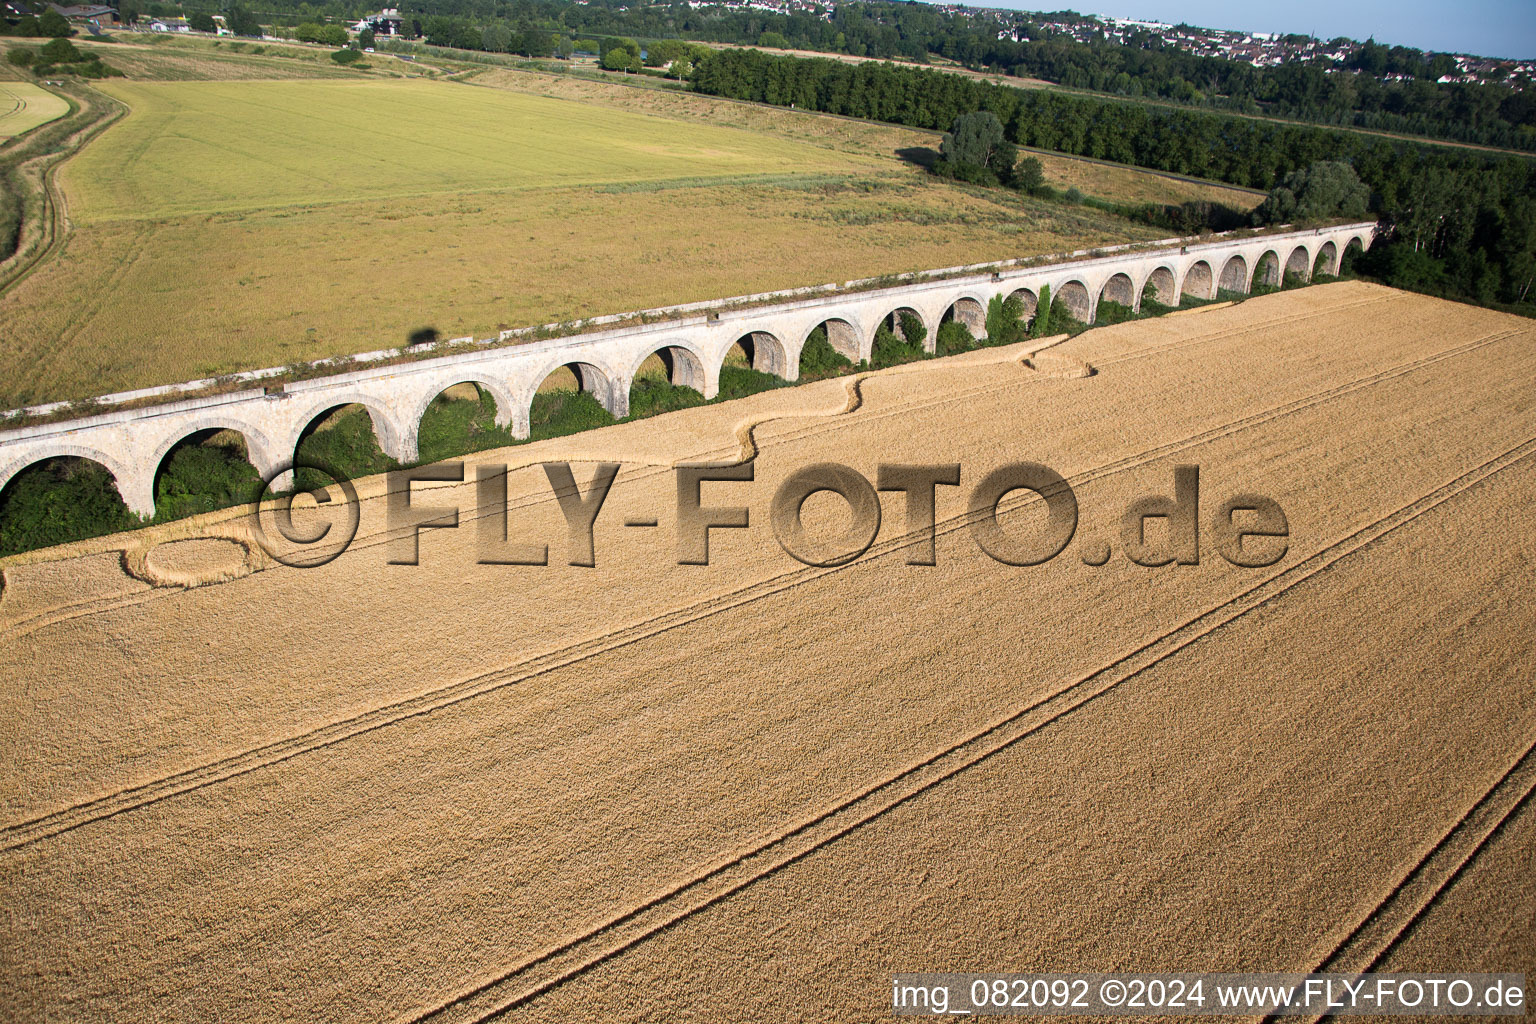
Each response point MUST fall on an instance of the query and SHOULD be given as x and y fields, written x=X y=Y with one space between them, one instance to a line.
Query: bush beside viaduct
x=133 y=442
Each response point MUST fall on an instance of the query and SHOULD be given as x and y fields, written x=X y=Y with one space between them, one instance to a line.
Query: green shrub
x=346 y=444
x=558 y=413
x=741 y=381
x=954 y=337
x=21 y=57
x=454 y=427
x=1111 y=312
x=347 y=56
x=912 y=330
x=59 y=501
x=197 y=478
x=651 y=396
x=52 y=23
x=890 y=349
x=60 y=51
x=1005 y=320
x=819 y=359
x=1041 y=326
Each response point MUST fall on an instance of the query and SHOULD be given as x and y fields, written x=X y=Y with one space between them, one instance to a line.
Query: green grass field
x=24 y=106
x=224 y=226
x=217 y=147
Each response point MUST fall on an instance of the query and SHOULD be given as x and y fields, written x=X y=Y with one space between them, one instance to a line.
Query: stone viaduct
x=133 y=442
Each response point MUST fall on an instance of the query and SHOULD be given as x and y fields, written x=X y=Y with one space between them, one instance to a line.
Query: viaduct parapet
x=133 y=442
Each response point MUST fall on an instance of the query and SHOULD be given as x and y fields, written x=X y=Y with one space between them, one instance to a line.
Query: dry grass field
x=1117 y=182
x=223 y=147
x=24 y=106
x=750 y=791
x=164 y=58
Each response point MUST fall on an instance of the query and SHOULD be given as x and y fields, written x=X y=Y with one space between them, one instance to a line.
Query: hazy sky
x=1490 y=28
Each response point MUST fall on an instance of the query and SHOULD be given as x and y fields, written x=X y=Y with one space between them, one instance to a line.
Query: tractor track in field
x=53 y=223
x=574 y=957
x=24 y=833
x=1431 y=876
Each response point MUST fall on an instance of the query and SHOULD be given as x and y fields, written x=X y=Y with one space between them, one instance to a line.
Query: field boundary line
x=66 y=819
x=1433 y=874
x=54 y=204
x=715 y=884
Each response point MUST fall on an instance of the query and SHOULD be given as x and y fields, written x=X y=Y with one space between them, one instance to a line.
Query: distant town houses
x=386 y=23
x=88 y=14
x=1260 y=49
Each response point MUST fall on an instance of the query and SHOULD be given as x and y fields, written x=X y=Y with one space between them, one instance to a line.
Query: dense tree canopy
x=1327 y=190
x=1468 y=212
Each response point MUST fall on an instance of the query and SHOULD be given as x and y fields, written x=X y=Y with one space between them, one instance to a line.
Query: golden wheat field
x=754 y=789
x=230 y=225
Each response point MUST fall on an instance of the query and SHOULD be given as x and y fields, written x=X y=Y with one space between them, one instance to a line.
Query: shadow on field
x=922 y=156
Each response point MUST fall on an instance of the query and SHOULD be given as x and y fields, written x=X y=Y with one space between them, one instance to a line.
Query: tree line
x=1462 y=223
x=1378 y=88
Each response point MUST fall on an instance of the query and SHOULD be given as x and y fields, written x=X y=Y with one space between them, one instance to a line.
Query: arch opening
x=204 y=471
x=1266 y=273
x=1028 y=302
x=1117 y=300
x=760 y=351
x=1327 y=262
x=900 y=337
x=1078 y=302
x=672 y=377
x=1353 y=250
x=970 y=314
x=1198 y=283
x=571 y=398
x=60 y=499
x=463 y=417
x=1159 y=290
x=830 y=348
x=1298 y=268
x=345 y=438
x=675 y=365
x=1234 y=276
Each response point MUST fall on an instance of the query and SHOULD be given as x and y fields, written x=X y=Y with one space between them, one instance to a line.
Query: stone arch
x=1029 y=301
x=135 y=485
x=1299 y=263
x=497 y=389
x=842 y=334
x=259 y=453
x=1119 y=289
x=1162 y=283
x=892 y=322
x=421 y=408
x=970 y=311
x=764 y=352
x=682 y=363
x=1198 y=282
x=259 y=448
x=1266 y=272
x=1353 y=250
x=589 y=378
x=1234 y=274
x=391 y=438
x=1078 y=300
x=1327 y=260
